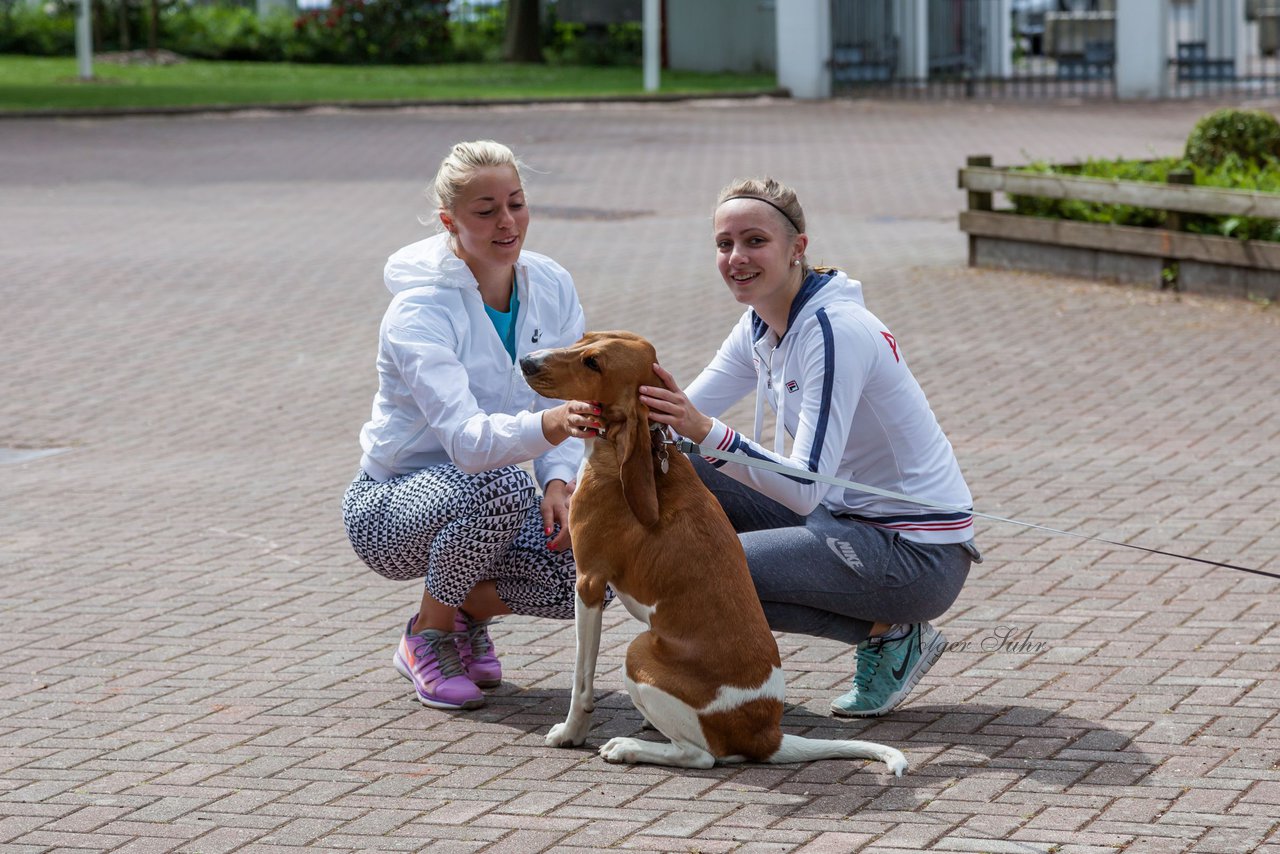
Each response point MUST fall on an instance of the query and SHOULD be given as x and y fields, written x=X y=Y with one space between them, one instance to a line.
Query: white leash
x=689 y=447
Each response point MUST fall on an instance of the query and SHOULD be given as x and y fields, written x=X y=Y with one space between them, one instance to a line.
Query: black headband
x=798 y=229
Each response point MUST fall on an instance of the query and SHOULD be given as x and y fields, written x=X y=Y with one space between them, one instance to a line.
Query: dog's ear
x=635 y=460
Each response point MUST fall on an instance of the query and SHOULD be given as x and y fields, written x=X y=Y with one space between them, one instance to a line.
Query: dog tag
x=662 y=463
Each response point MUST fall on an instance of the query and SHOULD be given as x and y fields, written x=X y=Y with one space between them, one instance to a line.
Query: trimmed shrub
x=1252 y=135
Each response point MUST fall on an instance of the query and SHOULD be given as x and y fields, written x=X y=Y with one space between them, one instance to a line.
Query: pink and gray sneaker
x=429 y=659
x=475 y=648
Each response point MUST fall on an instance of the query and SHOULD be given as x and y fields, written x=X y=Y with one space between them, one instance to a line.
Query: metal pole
x=84 y=41
x=652 y=44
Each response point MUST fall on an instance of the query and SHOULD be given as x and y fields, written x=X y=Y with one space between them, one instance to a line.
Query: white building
x=823 y=47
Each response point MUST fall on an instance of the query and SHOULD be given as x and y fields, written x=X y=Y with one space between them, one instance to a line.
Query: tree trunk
x=153 y=27
x=523 y=41
x=124 y=25
x=98 y=12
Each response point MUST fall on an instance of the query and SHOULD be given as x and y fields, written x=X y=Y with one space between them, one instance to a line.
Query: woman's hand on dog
x=555 y=513
x=573 y=419
x=671 y=406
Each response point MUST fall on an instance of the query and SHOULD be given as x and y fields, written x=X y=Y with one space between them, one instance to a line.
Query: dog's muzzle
x=532 y=363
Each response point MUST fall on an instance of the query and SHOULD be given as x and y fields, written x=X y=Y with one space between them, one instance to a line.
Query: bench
x=1194 y=64
x=862 y=64
x=1097 y=62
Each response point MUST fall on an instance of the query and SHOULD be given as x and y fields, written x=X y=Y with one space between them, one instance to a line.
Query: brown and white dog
x=707 y=673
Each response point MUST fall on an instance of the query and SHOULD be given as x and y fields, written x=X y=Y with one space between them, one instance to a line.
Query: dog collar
x=659 y=438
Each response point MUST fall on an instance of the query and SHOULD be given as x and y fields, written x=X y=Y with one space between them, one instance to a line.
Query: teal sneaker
x=887 y=670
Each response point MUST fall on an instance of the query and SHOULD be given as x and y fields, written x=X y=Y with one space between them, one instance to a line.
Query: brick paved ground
x=193 y=660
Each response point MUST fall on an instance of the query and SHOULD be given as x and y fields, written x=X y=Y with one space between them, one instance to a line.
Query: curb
x=303 y=106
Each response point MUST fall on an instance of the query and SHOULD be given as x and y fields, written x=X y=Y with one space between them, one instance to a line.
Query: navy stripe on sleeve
x=828 y=381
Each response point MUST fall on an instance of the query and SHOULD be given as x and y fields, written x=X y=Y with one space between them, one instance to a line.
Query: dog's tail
x=795 y=748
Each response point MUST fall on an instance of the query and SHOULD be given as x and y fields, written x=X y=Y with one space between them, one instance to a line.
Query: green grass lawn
x=36 y=83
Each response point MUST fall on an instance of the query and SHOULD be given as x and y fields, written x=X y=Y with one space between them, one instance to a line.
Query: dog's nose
x=529 y=364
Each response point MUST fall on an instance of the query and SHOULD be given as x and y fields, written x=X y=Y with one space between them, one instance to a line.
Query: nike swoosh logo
x=899 y=672
x=845 y=552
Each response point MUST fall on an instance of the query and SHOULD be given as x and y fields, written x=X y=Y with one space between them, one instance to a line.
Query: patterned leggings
x=456 y=530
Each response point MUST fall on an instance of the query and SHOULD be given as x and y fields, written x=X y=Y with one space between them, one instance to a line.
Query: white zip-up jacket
x=448 y=391
x=840 y=389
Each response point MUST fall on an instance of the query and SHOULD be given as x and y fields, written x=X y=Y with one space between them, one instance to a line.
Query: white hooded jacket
x=448 y=391
x=840 y=388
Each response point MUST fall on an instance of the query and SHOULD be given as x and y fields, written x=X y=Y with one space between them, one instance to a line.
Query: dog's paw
x=568 y=734
x=896 y=761
x=620 y=749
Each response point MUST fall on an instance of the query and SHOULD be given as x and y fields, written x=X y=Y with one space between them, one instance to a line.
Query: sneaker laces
x=478 y=636
x=445 y=656
x=868 y=662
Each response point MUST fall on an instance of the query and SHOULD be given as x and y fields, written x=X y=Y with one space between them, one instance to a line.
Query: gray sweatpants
x=834 y=577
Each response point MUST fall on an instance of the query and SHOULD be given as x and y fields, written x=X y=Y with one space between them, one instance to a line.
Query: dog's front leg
x=587 y=619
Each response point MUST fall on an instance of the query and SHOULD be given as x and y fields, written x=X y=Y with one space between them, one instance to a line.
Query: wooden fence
x=1162 y=257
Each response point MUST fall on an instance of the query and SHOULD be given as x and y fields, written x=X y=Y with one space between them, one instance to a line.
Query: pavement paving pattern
x=194 y=661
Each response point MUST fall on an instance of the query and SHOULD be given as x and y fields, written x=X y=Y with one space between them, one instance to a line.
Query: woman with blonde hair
x=439 y=496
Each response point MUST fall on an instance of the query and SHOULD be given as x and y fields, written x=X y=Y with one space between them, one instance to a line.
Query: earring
x=795 y=262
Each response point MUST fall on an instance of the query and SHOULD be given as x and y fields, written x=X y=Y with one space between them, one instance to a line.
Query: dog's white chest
x=637 y=609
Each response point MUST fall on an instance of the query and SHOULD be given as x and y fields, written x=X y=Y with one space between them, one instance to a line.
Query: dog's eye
x=590 y=362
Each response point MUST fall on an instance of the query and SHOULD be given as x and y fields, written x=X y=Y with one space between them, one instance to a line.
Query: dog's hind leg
x=672 y=717
x=573 y=731
x=633 y=750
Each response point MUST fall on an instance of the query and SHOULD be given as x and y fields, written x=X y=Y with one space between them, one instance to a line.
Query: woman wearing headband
x=826 y=561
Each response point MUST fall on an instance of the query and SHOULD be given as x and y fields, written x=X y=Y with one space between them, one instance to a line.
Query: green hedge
x=382 y=32
x=348 y=32
x=575 y=44
x=226 y=32
x=1230 y=148
x=34 y=31
x=1233 y=172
